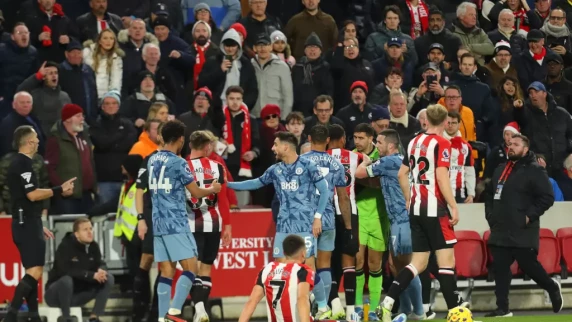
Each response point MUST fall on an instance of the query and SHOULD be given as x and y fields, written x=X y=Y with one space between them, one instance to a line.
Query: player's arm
x=255 y=296
x=345 y=208
x=33 y=193
x=361 y=171
x=251 y=184
x=303 y=299
x=403 y=178
x=445 y=186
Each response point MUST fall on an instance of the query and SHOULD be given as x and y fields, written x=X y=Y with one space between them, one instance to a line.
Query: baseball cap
x=160 y=9
x=73 y=44
x=552 y=56
x=537 y=86
x=534 y=35
x=431 y=66
x=394 y=42
x=263 y=39
x=437 y=46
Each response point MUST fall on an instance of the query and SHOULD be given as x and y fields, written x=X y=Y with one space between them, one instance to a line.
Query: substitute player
x=173 y=242
x=431 y=221
x=286 y=286
x=343 y=258
x=333 y=171
x=208 y=216
x=387 y=168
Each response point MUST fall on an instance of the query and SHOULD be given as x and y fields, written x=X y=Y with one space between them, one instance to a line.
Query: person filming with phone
x=429 y=91
x=28 y=230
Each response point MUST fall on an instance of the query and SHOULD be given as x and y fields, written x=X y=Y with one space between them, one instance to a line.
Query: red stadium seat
x=549 y=251
x=564 y=236
x=513 y=267
x=470 y=254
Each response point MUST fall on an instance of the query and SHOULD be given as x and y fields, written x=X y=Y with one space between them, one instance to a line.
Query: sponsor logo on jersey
x=292 y=185
x=26 y=176
x=141 y=171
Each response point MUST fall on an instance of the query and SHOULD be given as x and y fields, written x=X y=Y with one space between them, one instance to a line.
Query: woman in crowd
x=281 y=48
x=104 y=57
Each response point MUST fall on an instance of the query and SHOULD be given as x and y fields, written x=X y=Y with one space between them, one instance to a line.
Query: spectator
x=50 y=29
x=564 y=179
x=281 y=48
x=523 y=16
x=558 y=37
x=567 y=8
x=130 y=9
x=105 y=58
x=453 y=101
x=230 y=68
x=284 y=10
x=159 y=111
x=549 y=126
x=295 y=125
x=112 y=137
x=394 y=58
x=323 y=114
x=242 y=138
x=558 y=196
x=556 y=84
x=165 y=82
x=98 y=19
x=380 y=93
x=20 y=115
x=349 y=30
x=224 y=12
x=274 y=78
x=540 y=12
x=148 y=141
x=357 y=112
x=311 y=76
x=509 y=96
x=202 y=48
x=169 y=9
x=78 y=80
x=310 y=20
x=131 y=41
x=69 y=155
x=422 y=118
x=46 y=92
x=4 y=36
x=406 y=125
x=258 y=22
x=200 y=117
x=176 y=58
x=202 y=12
x=481 y=72
x=500 y=66
x=472 y=37
x=499 y=154
x=531 y=63
x=462 y=170
x=79 y=274
x=18 y=60
x=238 y=27
x=425 y=95
x=136 y=107
x=437 y=34
x=436 y=56
x=380 y=119
x=415 y=17
x=376 y=43
x=348 y=66
x=506 y=32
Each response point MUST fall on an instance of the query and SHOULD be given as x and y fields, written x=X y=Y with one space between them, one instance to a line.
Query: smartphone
x=429 y=79
x=228 y=57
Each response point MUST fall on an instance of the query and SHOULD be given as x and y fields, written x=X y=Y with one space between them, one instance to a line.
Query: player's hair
x=292 y=244
x=365 y=128
x=20 y=135
x=337 y=132
x=199 y=139
x=287 y=137
x=454 y=115
x=148 y=123
x=319 y=134
x=172 y=131
x=524 y=139
x=391 y=136
x=78 y=222
x=234 y=89
x=296 y=117
x=436 y=114
x=468 y=55
x=323 y=99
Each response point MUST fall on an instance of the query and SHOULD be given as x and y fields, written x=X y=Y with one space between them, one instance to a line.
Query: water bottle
x=365 y=309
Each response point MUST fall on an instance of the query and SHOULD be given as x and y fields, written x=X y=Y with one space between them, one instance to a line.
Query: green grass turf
x=527 y=318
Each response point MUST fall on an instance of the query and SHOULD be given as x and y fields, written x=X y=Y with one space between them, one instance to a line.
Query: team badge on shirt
x=299 y=171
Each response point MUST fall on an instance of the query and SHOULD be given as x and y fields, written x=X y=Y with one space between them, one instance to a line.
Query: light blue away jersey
x=295 y=188
x=333 y=171
x=168 y=176
x=386 y=168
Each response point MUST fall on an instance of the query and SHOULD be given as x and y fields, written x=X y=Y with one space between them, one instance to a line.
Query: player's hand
x=366 y=160
x=67 y=187
x=317 y=227
x=142 y=229
x=469 y=199
x=216 y=186
x=49 y=235
x=407 y=203
x=351 y=246
x=226 y=236
x=454 y=216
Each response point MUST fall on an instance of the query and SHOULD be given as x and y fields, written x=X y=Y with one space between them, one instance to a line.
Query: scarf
x=308 y=71
x=56 y=11
x=521 y=20
x=555 y=31
x=450 y=138
x=404 y=119
x=539 y=56
x=200 y=61
x=423 y=17
x=246 y=143
x=232 y=77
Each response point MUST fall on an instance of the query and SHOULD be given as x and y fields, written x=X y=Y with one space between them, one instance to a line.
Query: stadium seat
x=470 y=254
x=513 y=267
x=549 y=251
x=564 y=236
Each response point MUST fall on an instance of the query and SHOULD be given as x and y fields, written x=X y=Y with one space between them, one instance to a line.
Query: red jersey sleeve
x=442 y=153
x=259 y=280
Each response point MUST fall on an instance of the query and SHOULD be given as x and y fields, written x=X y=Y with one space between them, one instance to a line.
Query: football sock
x=374 y=284
x=164 y=295
x=360 y=283
x=399 y=285
x=326 y=277
x=448 y=286
x=182 y=289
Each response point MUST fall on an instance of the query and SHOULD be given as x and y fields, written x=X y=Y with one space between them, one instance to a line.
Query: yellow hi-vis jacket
x=126 y=219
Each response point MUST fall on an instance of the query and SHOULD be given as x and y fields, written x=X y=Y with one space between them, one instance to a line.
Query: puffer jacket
x=374 y=45
x=104 y=80
x=274 y=86
x=16 y=64
x=476 y=41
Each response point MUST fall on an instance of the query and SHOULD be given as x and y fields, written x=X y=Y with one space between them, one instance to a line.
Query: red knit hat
x=70 y=110
x=512 y=127
x=358 y=84
x=239 y=28
x=270 y=109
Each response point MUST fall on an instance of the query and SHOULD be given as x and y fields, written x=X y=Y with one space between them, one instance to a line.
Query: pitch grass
x=529 y=318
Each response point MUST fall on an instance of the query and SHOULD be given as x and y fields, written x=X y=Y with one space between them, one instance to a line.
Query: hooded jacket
x=526 y=193
x=310 y=79
x=274 y=85
x=104 y=80
x=374 y=45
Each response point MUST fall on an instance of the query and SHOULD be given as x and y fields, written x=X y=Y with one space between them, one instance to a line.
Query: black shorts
x=147 y=243
x=340 y=227
x=207 y=246
x=429 y=234
x=30 y=241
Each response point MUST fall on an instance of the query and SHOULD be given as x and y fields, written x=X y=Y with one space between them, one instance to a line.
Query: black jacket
x=526 y=193
x=496 y=157
x=132 y=60
x=195 y=122
x=449 y=40
x=477 y=96
x=79 y=83
x=312 y=120
x=10 y=123
x=78 y=261
x=320 y=82
x=346 y=71
x=517 y=42
x=528 y=69
x=137 y=106
x=87 y=25
x=352 y=116
x=406 y=134
x=126 y=8
x=233 y=159
x=254 y=28
x=16 y=64
x=562 y=92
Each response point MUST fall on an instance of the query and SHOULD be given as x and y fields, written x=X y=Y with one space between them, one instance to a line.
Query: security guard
x=28 y=231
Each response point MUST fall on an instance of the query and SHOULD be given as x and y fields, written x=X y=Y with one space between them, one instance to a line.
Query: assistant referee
x=28 y=231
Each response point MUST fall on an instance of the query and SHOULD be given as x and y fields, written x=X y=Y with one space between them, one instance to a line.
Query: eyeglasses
x=202 y=11
x=270 y=117
x=452 y=97
x=350 y=46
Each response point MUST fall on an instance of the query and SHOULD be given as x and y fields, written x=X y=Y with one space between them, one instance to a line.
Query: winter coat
x=406 y=134
x=254 y=28
x=345 y=72
x=10 y=123
x=274 y=86
x=449 y=40
x=374 y=45
x=496 y=74
x=477 y=41
x=195 y=122
x=132 y=60
x=517 y=42
x=303 y=24
x=16 y=64
x=137 y=105
x=528 y=69
x=88 y=29
x=383 y=65
x=477 y=97
x=351 y=115
x=320 y=82
x=105 y=80
x=562 y=92
x=79 y=83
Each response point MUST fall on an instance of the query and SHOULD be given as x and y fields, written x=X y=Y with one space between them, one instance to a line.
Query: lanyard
x=506 y=172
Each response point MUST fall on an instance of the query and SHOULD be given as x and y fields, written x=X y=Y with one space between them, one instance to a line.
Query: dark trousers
x=61 y=294
x=503 y=257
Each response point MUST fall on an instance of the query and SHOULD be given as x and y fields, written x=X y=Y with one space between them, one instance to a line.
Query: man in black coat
x=437 y=34
x=258 y=22
x=556 y=84
x=20 y=115
x=518 y=194
x=531 y=67
x=99 y=18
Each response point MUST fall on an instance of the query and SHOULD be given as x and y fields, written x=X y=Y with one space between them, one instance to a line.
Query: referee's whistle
x=20 y=216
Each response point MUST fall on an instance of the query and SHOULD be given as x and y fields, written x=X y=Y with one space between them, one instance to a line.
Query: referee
x=28 y=232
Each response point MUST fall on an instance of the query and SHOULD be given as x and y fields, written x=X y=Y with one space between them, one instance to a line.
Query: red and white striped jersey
x=461 y=157
x=350 y=160
x=280 y=283
x=205 y=215
x=426 y=153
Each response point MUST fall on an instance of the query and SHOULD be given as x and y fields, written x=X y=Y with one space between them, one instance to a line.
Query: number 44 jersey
x=280 y=284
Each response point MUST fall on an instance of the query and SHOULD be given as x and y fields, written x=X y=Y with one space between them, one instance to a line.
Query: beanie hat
x=277 y=35
x=161 y=21
x=239 y=28
x=204 y=92
x=142 y=75
x=502 y=45
x=132 y=163
x=313 y=40
x=270 y=109
x=202 y=6
x=70 y=110
x=209 y=30
x=113 y=94
x=358 y=84
x=380 y=113
x=512 y=127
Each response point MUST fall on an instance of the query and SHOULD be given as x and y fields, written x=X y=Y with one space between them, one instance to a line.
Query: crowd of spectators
x=95 y=78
